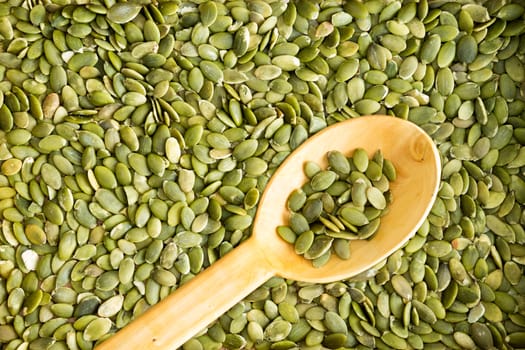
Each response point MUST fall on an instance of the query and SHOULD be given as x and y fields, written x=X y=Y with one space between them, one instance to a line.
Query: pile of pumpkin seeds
x=342 y=203
x=136 y=138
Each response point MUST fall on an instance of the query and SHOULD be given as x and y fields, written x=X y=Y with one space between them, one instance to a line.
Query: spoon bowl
x=188 y=310
x=418 y=170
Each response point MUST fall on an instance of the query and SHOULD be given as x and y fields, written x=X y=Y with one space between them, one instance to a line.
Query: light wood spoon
x=193 y=306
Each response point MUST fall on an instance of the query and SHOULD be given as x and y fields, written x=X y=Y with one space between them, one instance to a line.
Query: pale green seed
x=286 y=62
x=430 y=48
x=267 y=72
x=347 y=70
x=287 y=234
x=367 y=106
x=211 y=71
x=408 y=67
x=123 y=12
x=376 y=198
x=97 y=328
x=360 y=159
x=208 y=13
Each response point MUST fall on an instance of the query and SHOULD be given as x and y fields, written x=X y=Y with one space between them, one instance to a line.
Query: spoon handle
x=193 y=306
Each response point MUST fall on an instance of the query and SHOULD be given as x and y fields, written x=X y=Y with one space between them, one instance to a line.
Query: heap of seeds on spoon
x=345 y=202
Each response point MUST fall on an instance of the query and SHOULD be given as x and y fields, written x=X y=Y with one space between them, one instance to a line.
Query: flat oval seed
x=394 y=341
x=342 y=248
x=438 y=248
x=105 y=177
x=322 y=180
x=467 y=49
x=338 y=162
x=11 y=166
x=267 y=72
x=96 y=329
x=173 y=150
x=303 y=242
x=123 y=12
x=51 y=176
x=402 y=287
x=52 y=143
x=111 y=306
x=212 y=71
x=298 y=223
x=430 y=48
x=18 y=137
x=286 y=62
x=296 y=200
x=360 y=159
x=35 y=234
x=408 y=67
x=164 y=277
x=319 y=247
x=354 y=216
x=376 y=198
x=108 y=200
x=208 y=13
x=133 y=98
x=238 y=222
x=335 y=323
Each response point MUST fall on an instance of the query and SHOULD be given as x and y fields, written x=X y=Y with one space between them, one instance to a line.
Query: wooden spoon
x=193 y=306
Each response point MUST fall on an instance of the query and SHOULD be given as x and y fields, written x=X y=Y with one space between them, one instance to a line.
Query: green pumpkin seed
x=354 y=216
x=96 y=329
x=430 y=48
x=467 y=49
x=123 y=12
x=304 y=242
x=211 y=71
x=338 y=162
x=322 y=180
x=267 y=72
x=286 y=62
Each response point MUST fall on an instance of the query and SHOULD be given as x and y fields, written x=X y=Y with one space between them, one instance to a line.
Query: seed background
x=136 y=138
